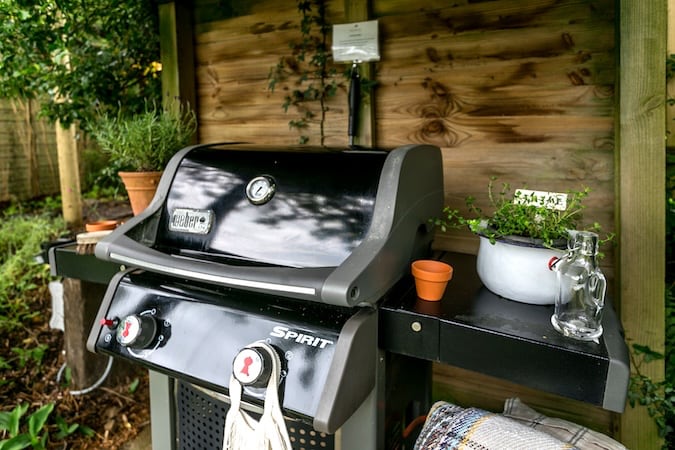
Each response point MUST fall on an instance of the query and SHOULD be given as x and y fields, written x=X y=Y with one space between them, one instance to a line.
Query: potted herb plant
x=518 y=240
x=143 y=144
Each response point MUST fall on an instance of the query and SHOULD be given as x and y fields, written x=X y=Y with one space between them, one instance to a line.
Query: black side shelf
x=477 y=330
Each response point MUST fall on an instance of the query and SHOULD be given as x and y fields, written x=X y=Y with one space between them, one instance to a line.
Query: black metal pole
x=354 y=103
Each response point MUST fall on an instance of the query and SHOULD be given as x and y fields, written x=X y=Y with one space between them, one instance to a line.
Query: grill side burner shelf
x=477 y=330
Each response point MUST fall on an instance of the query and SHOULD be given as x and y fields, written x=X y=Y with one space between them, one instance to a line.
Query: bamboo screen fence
x=28 y=159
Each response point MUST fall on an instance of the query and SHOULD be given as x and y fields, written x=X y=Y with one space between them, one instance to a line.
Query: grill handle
x=297 y=283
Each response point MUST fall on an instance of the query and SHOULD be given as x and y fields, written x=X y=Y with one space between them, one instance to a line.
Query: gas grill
x=292 y=247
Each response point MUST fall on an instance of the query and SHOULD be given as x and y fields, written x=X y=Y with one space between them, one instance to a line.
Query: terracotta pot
x=101 y=225
x=141 y=188
x=431 y=278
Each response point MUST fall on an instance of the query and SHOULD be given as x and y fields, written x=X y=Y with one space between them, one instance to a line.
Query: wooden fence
x=519 y=90
x=526 y=91
x=28 y=159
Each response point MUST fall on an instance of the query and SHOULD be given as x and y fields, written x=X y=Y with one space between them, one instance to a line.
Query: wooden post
x=177 y=53
x=81 y=300
x=359 y=11
x=69 y=175
x=30 y=145
x=641 y=193
x=670 y=87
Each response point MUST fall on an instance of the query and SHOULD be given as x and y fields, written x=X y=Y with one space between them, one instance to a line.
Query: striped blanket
x=450 y=427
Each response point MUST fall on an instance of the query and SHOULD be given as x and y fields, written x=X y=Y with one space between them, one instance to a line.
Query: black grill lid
x=320 y=208
x=334 y=226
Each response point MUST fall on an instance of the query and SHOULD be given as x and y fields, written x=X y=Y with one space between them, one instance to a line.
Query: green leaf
x=16 y=443
x=9 y=421
x=38 y=419
x=86 y=431
x=134 y=385
x=647 y=353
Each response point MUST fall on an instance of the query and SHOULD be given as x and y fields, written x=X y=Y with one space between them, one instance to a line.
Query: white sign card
x=550 y=200
x=356 y=42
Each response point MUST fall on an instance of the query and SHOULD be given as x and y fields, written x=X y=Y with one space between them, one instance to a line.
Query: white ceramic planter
x=517 y=271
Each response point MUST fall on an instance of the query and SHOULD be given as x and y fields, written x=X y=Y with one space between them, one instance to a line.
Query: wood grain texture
x=641 y=187
x=233 y=62
x=524 y=91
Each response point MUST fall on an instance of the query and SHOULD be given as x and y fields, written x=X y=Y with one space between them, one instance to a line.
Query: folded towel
x=450 y=427
x=564 y=430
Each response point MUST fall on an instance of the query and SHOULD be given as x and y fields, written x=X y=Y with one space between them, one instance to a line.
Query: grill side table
x=474 y=329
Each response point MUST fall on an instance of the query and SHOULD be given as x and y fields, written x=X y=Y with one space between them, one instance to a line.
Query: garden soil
x=115 y=413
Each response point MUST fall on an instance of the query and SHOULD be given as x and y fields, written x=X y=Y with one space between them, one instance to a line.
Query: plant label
x=356 y=42
x=550 y=200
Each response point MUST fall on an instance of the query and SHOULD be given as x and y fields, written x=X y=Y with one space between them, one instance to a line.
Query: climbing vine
x=308 y=67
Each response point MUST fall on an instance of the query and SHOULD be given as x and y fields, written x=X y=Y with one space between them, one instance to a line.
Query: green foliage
x=21 y=234
x=79 y=56
x=521 y=215
x=309 y=66
x=20 y=239
x=34 y=432
x=670 y=66
x=670 y=332
x=34 y=355
x=36 y=435
x=657 y=397
x=147 y=140
x=101 y=179
x=670 y=216
x=65 y=429
x=133 y=386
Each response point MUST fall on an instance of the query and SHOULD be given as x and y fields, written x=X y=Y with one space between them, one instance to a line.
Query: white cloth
x=243 y=432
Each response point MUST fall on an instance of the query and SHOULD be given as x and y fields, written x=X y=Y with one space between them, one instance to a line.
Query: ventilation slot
x=201 y=418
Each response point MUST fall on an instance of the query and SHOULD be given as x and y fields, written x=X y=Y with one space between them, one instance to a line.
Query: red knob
x=110 y=323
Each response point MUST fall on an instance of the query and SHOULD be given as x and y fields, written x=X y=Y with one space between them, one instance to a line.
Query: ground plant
x=37 y=410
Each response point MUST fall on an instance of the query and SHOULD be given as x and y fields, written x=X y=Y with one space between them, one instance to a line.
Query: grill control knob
x=136 y=331
x=252 y=367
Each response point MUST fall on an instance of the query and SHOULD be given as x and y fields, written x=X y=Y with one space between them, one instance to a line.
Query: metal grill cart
x=293 y=248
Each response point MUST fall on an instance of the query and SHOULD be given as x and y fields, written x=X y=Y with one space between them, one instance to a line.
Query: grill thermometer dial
x=260 y=189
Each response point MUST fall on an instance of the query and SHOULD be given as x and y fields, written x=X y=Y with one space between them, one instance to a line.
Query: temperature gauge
x=260 y=189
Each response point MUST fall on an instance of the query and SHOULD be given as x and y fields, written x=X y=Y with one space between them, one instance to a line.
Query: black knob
x=252 y=367
x=137 y=331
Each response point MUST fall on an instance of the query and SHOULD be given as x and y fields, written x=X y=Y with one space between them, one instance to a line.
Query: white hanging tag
x=356 y=42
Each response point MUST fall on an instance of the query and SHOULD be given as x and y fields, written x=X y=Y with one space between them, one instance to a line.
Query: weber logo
x=196 y=221
x=300 y=338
